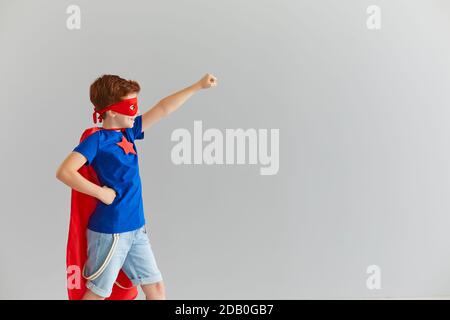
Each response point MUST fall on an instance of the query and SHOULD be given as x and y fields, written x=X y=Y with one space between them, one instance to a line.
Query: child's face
x=122 y=120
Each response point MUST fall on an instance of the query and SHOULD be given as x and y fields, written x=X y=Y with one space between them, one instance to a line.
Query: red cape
x=82 y=206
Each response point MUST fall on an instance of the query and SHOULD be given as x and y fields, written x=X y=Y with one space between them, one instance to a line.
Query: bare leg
x=89 y=295
x=154 y=291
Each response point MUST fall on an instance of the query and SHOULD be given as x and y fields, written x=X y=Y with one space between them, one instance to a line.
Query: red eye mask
x=127 y=107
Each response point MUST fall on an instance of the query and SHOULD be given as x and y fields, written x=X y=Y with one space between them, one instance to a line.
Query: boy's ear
x=111 y=113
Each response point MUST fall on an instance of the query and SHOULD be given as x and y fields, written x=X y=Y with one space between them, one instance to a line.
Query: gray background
x=364 y=158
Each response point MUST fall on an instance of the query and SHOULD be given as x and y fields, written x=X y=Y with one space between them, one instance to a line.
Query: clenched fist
x=107 y=195
x=208 y=81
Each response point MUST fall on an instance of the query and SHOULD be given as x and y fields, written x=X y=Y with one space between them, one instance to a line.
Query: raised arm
x=171 y=103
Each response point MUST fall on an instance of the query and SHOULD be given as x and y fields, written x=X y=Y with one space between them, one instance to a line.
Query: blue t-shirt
x=119 y=170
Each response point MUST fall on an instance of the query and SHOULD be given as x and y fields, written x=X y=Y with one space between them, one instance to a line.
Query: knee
x=89 y=295
x=154 y=291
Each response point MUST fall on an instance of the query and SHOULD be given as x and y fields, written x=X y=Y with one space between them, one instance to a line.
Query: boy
x=116 y=234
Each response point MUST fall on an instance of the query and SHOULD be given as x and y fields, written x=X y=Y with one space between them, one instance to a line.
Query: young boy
x=116 y=234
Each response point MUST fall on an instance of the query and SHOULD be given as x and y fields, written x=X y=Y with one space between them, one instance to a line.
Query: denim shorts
x=108 y=253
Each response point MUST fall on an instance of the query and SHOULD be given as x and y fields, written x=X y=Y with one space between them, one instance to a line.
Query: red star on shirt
x=126 y=146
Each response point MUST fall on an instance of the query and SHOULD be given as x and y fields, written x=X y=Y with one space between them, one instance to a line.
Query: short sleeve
x=88 y=147
x=137 y=128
